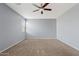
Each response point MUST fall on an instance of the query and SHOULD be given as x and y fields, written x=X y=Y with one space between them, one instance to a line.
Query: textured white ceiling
x=26 y=10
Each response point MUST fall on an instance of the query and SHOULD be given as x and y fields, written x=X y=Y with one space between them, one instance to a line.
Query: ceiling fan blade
x=36 y=10
x=36 y=5
x=41 y=4
x=47 y=9
x=45 y=5
x=18 y=3
x=41 y=12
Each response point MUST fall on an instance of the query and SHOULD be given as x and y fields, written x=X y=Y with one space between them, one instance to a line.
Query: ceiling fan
x=42 y=7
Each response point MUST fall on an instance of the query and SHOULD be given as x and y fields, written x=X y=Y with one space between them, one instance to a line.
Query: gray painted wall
x=10 y=27
x=68 y=27
x=41 y=28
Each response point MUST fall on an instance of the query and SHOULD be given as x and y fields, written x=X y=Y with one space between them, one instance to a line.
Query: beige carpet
x=41 y=47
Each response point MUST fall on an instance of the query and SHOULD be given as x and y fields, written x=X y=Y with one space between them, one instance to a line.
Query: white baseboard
x=41 y=38
x=69 y=44
x=11 y=46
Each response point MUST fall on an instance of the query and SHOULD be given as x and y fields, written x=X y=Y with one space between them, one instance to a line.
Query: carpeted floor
x=41 y=47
